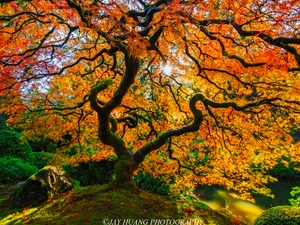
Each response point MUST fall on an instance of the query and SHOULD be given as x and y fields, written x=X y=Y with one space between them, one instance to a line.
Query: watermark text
x=153 y=222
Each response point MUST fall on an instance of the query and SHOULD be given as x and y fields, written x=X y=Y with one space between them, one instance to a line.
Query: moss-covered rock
x=287 y=215
x=40 y=187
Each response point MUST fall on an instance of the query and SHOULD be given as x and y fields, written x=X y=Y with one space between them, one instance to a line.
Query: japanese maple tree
x=191 y=91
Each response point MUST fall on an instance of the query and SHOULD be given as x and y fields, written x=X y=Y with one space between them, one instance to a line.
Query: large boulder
x=40 y=187
x=287 y=215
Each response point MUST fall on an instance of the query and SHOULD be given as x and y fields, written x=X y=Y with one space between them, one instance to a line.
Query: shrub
x=13 y=169
x=41 y=144
x=92 y=172
x=295 y=193
x=12 y=144
x=287 y=215
x=285 y=169
x=148 y=182
x=41 y=159
x=3 y=119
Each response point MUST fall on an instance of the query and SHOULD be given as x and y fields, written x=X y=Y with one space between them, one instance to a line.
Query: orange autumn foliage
x=193 y=91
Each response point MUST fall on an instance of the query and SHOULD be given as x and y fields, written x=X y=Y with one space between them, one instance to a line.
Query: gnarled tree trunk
x=124 y=171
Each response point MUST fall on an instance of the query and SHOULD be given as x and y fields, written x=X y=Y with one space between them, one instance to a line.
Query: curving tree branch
x=163 y=137
x=226 y=54
x=281 y=42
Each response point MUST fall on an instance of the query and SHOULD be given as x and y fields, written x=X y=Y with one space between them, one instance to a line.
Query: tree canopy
x=191 y=91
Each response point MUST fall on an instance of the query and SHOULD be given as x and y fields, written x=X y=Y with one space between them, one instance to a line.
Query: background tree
x=197 y=91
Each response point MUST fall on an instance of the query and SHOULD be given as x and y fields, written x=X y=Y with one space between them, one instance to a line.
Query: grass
x=106 y=205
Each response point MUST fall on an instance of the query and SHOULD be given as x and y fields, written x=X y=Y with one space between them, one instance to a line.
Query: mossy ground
x=92 y=205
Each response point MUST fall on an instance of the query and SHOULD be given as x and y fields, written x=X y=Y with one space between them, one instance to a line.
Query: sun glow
x=167 y=69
